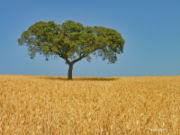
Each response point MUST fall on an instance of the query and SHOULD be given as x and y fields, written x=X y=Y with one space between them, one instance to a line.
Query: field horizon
x=50 y=105
x=64 y=76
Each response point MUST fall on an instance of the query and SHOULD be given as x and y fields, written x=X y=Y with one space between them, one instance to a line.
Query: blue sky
x=151 y=30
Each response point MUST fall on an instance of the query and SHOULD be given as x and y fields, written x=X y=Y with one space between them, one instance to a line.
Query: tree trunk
x=70 y=71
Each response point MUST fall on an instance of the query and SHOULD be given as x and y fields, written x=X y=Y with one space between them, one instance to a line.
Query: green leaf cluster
x=72 y=41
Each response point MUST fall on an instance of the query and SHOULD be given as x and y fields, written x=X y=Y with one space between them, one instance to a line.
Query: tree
x=72 y=42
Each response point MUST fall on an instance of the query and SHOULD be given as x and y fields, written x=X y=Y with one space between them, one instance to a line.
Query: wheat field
x=46 y=105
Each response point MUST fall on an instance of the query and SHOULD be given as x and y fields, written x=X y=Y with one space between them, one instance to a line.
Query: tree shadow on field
x=81 y=78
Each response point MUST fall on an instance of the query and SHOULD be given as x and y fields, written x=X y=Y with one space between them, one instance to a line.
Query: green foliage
x=72 y=41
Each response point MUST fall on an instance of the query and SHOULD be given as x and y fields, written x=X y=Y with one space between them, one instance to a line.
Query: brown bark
x=70 y=71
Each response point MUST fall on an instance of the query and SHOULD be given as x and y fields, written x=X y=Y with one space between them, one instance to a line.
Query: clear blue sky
x=150 y=28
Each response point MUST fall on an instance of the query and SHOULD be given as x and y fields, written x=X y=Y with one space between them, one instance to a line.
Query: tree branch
x=78 y=59
x=65 y=58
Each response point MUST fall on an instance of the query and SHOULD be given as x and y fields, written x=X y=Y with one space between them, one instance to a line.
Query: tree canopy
x=72 y=41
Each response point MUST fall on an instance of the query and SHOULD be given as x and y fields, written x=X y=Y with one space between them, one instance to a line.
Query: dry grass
x=39 y=105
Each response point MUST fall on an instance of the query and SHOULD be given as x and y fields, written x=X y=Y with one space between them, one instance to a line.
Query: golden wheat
x=44 y=105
